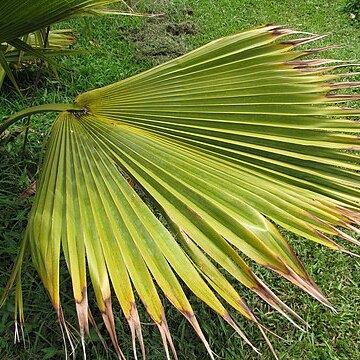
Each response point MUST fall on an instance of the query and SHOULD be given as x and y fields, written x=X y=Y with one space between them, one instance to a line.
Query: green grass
x=123 y=48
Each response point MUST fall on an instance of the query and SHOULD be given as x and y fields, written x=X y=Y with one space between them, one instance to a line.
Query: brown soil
x=159 y=39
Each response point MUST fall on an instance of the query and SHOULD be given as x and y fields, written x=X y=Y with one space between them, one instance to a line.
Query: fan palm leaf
x=229 y=142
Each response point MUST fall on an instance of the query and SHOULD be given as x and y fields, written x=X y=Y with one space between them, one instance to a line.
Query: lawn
x=124 y=46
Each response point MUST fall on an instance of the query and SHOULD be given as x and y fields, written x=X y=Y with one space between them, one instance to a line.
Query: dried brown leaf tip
x=281 y=31
x=109 y=321
x=166 y=338
x=302 y=41
x=343 y=97
x=348 y=74
x=310 y=62
x=82 y=312
x=135 y=328
x=315 y=69
x=345 y=85
x=194 y=323
x=231 y=322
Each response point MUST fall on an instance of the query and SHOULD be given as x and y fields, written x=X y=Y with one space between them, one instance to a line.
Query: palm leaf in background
x=44 y=45
x=228 y=141
x=55 y=40
x=35 y=15
x=23 y=29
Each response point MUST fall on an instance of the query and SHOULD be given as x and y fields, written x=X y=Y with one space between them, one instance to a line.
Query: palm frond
x=228 y=141
x=22 y=34
x=35 y=15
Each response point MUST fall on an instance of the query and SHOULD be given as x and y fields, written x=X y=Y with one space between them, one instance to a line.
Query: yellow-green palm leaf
x=228 y=141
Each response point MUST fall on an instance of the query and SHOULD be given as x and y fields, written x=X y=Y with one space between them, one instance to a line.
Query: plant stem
x=35 y=110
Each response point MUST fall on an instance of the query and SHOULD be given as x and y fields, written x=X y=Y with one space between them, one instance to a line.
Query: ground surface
x=128 y=46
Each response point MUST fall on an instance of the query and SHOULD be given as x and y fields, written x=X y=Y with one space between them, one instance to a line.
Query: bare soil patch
x=159 y=39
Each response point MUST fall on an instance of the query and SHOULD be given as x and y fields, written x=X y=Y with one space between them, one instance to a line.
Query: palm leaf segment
x=226 y=140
